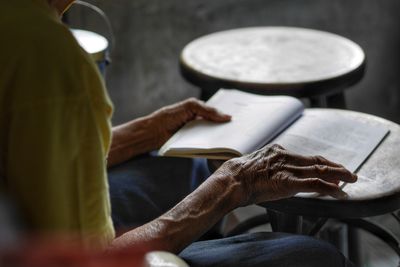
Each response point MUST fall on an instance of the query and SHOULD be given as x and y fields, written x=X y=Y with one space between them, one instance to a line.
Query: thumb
x=210 y=113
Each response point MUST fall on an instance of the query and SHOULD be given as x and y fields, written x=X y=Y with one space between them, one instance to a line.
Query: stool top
x=270 y=57
x=377 y=190
x=93 y=43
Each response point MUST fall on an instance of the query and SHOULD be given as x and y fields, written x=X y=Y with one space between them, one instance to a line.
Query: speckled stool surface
x=275 y=60
x=377 y=190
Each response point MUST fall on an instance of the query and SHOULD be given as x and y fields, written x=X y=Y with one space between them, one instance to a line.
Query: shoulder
x=43 y=50
x=53 y=42
x=30 y=30
x=33 y=36
x=44 y=61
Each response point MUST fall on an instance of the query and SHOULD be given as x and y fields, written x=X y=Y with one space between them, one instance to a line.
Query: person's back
x=54 y=121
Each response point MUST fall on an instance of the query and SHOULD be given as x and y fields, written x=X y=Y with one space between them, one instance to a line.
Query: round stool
x=275 y=61
x=95 y=45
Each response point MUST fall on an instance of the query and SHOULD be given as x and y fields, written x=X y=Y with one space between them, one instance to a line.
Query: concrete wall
x=150 y=34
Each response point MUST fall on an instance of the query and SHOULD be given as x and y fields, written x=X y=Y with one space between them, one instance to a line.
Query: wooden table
x=275 y=61
x=376 y=192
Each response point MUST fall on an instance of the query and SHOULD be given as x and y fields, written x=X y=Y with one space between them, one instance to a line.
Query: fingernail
x=227 y=116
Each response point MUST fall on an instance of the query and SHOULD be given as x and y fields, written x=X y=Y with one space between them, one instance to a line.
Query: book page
x=336 y=137
x=255 y=119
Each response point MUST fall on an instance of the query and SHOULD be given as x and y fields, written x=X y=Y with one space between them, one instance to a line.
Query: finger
x=207 y=112
x=327 y=173
x=318 y=186
x=301 y=160
x=278 y=147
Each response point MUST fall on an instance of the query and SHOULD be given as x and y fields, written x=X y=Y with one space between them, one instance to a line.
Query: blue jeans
x=147 y=186
x=264 y=250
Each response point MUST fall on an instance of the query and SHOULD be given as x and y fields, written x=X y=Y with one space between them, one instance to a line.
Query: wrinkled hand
x=274 y=173
x=167 y=120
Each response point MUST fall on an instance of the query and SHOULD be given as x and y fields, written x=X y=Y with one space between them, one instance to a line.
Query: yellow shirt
x=54 y=125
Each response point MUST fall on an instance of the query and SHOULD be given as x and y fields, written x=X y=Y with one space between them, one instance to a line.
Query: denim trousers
x=147 y=186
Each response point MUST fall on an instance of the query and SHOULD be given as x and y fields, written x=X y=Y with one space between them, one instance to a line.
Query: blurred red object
x=64 y=254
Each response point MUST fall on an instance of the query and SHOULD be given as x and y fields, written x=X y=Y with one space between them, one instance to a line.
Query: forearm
x=132 y=138
x=189 y=219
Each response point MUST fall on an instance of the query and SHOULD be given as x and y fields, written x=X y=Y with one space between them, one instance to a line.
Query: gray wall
x=150 y=34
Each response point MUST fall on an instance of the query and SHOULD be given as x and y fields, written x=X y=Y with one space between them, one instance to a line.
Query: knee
x=310 y=252
x=264 y=249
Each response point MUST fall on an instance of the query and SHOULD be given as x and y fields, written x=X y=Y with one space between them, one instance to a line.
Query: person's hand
x=274 y=173
x=167 y=120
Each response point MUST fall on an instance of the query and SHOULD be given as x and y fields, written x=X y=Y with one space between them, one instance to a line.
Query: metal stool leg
x=282 y=222
x=372 y=228
x=318 y=102
x=248 y=224
x=336 y=101
x=206 y=93
x=353 y=242
x=332 y=101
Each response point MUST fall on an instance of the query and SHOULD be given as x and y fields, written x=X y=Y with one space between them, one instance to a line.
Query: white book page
x=255 y=120
x=338 y=138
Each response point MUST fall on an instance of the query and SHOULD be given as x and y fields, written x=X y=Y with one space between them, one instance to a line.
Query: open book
x=259 y=120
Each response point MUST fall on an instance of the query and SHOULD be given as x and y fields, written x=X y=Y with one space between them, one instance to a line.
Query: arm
x=268 y=174
x=189 y=219
x=151 y=132
x=130 y=139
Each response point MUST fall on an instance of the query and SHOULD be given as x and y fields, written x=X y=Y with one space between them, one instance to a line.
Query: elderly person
x=56 y=141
